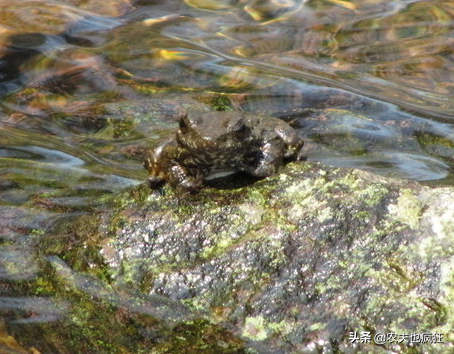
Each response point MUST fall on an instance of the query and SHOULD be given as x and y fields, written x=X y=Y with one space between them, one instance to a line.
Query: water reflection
x=398 y=164
x=36 y=169
x=55 y=159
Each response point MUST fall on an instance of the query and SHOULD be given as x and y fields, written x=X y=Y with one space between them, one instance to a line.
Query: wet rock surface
x=295 y=263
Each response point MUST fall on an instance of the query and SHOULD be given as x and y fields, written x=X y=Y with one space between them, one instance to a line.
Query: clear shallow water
x=368 y=84
x=276 y=54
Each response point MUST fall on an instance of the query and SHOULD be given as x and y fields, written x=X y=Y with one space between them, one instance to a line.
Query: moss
x=428 y=139
x=372 y=195
x=256 y=328
x=408 y=209
x=200 y=337
x=223 y=242
x=447 y=291
x=363 y=215
x=218 y=102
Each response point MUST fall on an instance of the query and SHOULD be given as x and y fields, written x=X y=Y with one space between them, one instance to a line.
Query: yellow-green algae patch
x=408 y=209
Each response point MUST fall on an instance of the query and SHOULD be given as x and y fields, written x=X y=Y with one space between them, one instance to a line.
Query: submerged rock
x=312 y=260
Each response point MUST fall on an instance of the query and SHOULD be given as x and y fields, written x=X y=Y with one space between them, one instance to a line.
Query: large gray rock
x=297 y=263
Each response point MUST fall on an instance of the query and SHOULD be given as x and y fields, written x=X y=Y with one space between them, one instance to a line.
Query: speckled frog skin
x=213 y=142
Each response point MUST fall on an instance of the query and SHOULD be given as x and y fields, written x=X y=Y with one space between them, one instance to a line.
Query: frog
x=209 y=143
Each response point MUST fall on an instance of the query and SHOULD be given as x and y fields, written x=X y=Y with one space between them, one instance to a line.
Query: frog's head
x=213 y=131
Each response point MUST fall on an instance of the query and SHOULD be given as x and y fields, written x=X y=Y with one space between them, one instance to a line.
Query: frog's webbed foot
x=155 y=182
x=180 y=178
x=264 y=170
x=293 y=150
x=191 y=184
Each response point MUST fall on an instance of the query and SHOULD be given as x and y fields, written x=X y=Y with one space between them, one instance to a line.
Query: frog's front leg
x=168 y=163
x=156 y=177
x=272 y=155
x=293 y=145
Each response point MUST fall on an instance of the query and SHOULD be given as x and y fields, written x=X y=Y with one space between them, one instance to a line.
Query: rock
x=302 y=262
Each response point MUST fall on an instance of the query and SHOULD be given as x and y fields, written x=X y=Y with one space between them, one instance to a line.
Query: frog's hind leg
x=179 y=177
x=272 y=156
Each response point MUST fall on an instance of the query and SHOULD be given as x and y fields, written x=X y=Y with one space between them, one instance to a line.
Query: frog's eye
x=183 y=124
